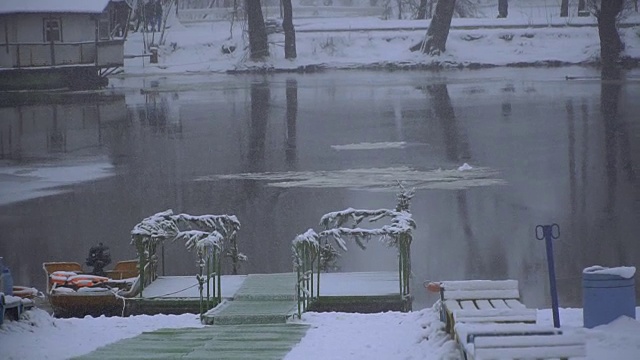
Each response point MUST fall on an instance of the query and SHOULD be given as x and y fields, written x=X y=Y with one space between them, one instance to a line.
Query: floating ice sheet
x=373 y=178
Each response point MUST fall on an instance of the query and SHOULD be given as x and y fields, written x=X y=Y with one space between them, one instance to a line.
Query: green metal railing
x=307 y=265
x=212 y=279
x=404 y=264
x=308 y=260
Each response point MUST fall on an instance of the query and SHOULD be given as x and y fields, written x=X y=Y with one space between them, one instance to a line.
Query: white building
x=66 y=39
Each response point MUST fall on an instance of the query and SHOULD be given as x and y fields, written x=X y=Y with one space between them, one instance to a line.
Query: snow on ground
x=40 y=336
x=526 y=38
x=391 y=335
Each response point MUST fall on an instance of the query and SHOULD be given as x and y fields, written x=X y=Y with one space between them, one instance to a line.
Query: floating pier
x=270 y=296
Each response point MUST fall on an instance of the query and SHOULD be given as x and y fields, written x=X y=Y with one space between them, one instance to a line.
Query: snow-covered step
x=251 y=312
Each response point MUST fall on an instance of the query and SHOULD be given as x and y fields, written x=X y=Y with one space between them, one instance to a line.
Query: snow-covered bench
x=517 y=341
x=481 y=301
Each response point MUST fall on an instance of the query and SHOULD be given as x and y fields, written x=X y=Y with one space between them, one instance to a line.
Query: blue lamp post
x=548 y=233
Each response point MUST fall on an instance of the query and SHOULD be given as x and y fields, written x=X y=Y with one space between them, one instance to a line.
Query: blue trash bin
x=608 y=293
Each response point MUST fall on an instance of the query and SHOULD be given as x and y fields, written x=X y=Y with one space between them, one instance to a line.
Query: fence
x=19 y=55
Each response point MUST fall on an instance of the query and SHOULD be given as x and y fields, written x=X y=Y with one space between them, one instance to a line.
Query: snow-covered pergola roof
x=53 y=6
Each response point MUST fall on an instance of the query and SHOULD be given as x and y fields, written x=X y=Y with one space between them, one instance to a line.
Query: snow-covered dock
x=271 y=295
x=253 y=319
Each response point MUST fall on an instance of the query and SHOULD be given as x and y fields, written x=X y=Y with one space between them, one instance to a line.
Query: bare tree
x=436 y=38
x=503 y=8
x=462 y=8
x=422 y=9
x=564 y=8
x=466 y=8
x=258 y=46
x=289 y=31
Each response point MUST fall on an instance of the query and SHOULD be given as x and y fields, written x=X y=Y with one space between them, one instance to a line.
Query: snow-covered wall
x=29 y=28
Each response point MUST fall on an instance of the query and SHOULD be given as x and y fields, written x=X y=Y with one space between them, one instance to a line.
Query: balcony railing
x=25 y=55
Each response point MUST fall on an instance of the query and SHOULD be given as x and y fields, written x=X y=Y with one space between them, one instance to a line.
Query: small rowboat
x=86 y=294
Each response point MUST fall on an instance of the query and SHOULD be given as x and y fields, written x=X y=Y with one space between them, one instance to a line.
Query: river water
x=281 y=150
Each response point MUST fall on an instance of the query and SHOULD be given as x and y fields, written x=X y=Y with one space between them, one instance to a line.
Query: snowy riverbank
x=392 y=335
x=347 y=43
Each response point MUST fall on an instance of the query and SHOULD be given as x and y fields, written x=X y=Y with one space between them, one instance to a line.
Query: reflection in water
x=571 y=141
x=160 y=113
x=609 y=98
x=284 y=130
x=457 y=148
x=292 y=115
x=584 y=110
x=617 y=144
x=260 y=94
x=35 y=127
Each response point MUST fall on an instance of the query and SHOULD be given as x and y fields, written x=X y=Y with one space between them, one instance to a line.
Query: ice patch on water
x=374 y=178
x=20 y=183
x=371 y=146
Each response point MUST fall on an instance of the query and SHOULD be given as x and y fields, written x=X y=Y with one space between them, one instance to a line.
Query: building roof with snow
x=53 y=6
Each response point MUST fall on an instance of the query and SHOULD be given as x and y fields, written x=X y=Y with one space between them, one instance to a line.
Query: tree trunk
x=258 y=46
x=503 y=8
x=610 y=43
x=289 y=31
x=422 y=9
x=564 y=8
x=436 y=39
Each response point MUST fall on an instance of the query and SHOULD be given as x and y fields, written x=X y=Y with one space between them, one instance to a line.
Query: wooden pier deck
x=252 y=321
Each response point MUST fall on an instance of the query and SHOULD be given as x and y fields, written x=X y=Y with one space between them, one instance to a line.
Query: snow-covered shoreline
x=375 y=44
x=391 y=335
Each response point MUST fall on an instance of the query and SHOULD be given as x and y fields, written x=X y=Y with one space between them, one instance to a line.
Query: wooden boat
x=106 y=298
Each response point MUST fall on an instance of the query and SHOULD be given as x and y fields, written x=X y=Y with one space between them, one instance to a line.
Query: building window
x=103 y=29
x=52 y=30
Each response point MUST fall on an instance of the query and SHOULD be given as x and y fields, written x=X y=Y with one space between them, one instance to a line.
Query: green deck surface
x=252 y=322
x=231 y=342
x=262 y=299
x=268 y=287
